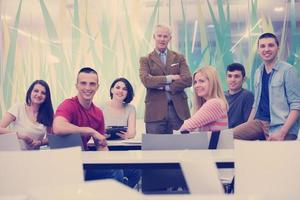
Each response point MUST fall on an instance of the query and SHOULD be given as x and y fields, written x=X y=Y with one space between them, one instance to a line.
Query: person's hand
x=278 y=136
x=107 y=135
x=23 y=136
x=30 y=142
x=99 y=139
x=35 y=144
x=124 y=135
x=175 y=77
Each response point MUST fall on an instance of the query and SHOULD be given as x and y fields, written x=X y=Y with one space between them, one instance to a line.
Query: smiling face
x=268 y=49
x=87 y=85
x=201 y=85
x=162 y=36
x=235 y=81
x=119 y=91
x=38 y=94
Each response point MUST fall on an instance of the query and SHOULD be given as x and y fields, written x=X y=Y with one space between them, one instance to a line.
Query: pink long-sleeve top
x=210 y=117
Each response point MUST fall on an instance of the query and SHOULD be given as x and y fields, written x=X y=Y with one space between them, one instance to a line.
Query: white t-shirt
x=117 y=120
x=24 y=125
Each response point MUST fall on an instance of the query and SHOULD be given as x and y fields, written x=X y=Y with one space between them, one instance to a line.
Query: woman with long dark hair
x=33 y=119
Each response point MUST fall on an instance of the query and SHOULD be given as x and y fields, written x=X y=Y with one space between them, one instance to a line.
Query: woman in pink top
x=210 y=105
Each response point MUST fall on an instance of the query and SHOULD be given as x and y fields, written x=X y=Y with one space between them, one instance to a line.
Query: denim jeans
x=256 y=130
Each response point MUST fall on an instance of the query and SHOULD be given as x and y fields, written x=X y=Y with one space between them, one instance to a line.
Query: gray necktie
x=163 y=57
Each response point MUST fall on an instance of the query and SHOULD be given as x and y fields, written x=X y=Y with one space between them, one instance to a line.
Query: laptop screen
x=64 y=141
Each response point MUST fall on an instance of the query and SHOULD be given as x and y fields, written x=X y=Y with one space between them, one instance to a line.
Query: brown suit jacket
x=153 y=75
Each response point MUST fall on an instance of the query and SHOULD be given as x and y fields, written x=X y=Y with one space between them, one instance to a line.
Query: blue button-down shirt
x=284 y=94
x=163 y=57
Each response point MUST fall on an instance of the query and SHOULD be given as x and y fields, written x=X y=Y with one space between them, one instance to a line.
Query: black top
x=263 y=110
x=240 y=105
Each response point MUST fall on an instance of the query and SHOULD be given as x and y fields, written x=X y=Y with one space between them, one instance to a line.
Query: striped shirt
x=210 y=117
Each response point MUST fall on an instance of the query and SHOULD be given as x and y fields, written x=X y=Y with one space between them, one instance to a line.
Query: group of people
x=166 y=75
x=272 y=113
x=35 y=118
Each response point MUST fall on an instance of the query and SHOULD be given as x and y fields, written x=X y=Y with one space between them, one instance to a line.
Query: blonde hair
x=215 y=90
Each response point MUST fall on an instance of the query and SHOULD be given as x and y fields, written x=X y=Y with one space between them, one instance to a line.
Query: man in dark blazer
x=165 y=74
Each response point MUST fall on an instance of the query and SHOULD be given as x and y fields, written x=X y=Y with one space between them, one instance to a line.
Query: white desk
x=196 y=160
x=166 y=159
x=88 y=193
x=202 y=197
x=14 y=197
x=105 y=159
x=110 y=189
x=92 y=190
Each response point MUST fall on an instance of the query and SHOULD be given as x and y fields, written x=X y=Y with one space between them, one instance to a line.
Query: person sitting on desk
x=118 y=111
x=33 y=119
x=210 y=105
x=276 y=108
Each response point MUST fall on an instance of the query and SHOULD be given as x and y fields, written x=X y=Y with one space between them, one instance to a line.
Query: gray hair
x=163 y=26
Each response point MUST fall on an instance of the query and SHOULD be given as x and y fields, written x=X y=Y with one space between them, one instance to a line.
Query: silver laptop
x=9 y=142
x=64 y=141
x=174 y=141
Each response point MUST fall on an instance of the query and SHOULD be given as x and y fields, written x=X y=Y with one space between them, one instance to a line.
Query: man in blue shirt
x=276 y=107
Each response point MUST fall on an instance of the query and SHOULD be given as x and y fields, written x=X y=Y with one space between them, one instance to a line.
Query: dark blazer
x=153 y=75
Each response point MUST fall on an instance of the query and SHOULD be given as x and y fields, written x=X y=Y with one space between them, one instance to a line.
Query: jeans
x=256 y=130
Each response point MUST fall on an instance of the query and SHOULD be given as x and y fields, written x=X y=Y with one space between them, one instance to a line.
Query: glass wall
x=52 y=39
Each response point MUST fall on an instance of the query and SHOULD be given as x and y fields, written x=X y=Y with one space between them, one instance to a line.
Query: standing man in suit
x=165 y=74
